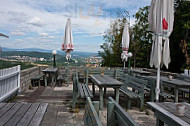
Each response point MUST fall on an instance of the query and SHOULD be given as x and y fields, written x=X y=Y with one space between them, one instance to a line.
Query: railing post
x=19 y=86
x=87 y=76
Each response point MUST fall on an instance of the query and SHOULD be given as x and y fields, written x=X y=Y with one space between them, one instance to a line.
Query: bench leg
x=142 y=103
x=129 y=103
x=101 y=98
x=74 y=99
x=45 y=79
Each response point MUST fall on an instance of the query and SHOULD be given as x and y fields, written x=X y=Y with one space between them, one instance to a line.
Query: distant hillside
x=74 y=53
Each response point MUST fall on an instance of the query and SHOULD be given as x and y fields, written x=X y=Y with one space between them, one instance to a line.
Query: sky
x=41 y=23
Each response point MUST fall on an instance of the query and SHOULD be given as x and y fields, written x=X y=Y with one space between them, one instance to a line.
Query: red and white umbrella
x=161 y=19
x=68 y=40
x=125 y=43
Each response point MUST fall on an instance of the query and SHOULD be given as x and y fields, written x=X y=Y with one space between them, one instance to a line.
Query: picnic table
x=174 y=83
x=52 y=72
x=22 y=114
x=104 y=81
x=166 y=113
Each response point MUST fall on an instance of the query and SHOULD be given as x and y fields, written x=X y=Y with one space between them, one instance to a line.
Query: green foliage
x=7 y=64
x=140 y=43
x=180 y=33
x=141 y=39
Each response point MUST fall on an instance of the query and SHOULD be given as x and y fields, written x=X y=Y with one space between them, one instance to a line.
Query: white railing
x=9 y=82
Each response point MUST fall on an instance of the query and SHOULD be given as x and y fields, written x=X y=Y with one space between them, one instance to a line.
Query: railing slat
x=9 y=82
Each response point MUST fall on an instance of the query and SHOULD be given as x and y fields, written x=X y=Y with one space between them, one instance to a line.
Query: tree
x=141 y=39
x=180 y=38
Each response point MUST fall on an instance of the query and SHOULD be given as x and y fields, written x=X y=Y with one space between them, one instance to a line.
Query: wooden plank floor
x=22 y=114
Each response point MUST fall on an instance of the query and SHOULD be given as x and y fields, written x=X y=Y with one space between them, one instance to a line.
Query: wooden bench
x=133 y=88
x=37 y=79
x=80 y=90
x=61 y=78
x=91 y=115
x=117 y=116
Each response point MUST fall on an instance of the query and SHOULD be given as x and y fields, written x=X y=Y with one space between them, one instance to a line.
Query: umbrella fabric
x=68 y=38
x=125 y=42
x=161 y=18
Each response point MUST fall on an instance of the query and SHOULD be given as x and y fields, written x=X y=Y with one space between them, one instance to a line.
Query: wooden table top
x=50 y=70
x=168 y=110
x=22 y=114
x=105 y=81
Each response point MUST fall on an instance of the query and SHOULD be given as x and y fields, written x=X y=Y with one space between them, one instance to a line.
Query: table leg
x=176 y=94
x=117 y=95
x=93 y=89
x=159 y=122
x=45 y=79
x=189 y=95
x=105 y=92
x=101 y=98
x=52 y=80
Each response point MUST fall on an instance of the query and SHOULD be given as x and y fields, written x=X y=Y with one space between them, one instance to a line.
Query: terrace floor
x=59 y=112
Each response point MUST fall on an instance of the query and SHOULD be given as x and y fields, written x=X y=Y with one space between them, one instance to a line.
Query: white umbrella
x=125 y=43
x=161 y=18
x=68 y=40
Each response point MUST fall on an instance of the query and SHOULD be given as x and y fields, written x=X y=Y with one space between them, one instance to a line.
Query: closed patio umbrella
x=161 y=18
x=125 y=43
x=67 y=45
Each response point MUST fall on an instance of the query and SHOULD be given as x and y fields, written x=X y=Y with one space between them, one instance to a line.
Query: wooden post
x=19 y=67
x=87 y=76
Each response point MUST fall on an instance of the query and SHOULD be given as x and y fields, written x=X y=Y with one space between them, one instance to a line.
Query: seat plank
x=28 y=115
x=19 y=114
x=7 y=116
x=36 y=120
x=89 y=91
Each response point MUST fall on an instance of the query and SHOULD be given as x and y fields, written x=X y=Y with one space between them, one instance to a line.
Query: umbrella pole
x=158 y=84
x=67 y=72
x=124 y=65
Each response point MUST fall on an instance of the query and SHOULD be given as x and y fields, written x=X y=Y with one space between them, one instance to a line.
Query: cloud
x=44 y=34
x=43 y=21
x=36 y=21
x=18 y=33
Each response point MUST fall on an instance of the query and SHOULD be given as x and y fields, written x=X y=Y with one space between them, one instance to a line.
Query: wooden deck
x=22 y=114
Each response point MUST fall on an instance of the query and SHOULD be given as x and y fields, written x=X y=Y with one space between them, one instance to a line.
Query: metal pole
x=68 y=72
x=129 y=64
x=158 y=84
x=124 y=65
x=54 y=63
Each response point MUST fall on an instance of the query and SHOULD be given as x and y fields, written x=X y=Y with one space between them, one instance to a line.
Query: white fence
x=9 y=82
